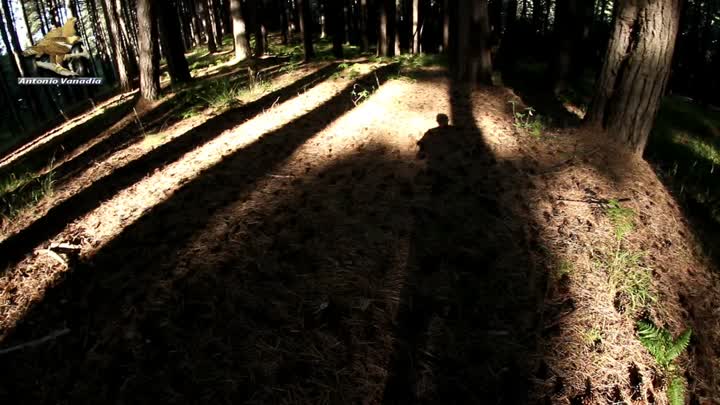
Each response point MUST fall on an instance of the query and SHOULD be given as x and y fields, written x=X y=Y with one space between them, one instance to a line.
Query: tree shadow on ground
x=361 y=281
x=16 y=246
x=469 y=311
x=167 y=113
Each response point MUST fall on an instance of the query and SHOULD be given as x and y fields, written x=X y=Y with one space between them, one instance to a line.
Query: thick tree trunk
x=173 y=50
x=149 y=54
x=336 y=13
x=242 y=47
x=636 y=69
x=473 y=54
x=306 y=28
x=386 y=34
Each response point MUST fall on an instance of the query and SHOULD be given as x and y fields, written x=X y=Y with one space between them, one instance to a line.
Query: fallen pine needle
x=36 y=342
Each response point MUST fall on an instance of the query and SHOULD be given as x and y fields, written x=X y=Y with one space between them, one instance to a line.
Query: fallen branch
x=599 y=201
x=66 y=248
x=54 y=256
x=36 y=342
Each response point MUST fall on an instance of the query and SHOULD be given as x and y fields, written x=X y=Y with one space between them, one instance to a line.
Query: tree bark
x=473 y=55
x=284 y=29
x=337 y=25
x=446 y=26
x=242 y=47
x=364 y=37
x=415 y=26
x=256 y=10
x=636 y=69
x=306 y=28
x=117 y=46
x=149 y=54
x=173 y=50
x=204 y=13
x=386 y=34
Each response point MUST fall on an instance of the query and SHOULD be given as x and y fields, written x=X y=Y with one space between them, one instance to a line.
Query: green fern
x=676 y=391
x=660 y=343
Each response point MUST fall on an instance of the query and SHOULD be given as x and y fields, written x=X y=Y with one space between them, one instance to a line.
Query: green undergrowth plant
x=527 y=121
x=622 y=219
x=665 y=350
x=20 y=192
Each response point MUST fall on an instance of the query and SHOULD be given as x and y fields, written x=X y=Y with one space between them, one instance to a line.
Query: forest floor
x=296 y=245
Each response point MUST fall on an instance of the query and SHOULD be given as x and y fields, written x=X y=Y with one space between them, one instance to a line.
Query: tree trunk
x=215 y=8
x=197 y=27
x=386 y=35
x=242 y=47
x=566 y=21
x=306 y=28
x=284 y=29
x=336 y=13
x=173 y=50
x=415 y=26
x=473 y=56
x=396 y=15
x=446 y=26
x=15 y=48
x=636 y=69
x=117 y=46
x=256 y=10
x=365 y=39
x=204 y=13
x=149 y=54
x=41 y=17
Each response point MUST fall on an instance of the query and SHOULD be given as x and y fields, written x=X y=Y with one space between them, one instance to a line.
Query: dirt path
x=316 y=254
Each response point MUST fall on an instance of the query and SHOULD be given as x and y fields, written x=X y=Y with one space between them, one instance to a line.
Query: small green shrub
x=527 y=121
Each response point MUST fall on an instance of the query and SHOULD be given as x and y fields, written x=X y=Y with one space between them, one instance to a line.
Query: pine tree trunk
x=173 y=50
x=415 y=26
x=41 y=17
x=336 y=13
x=242 y=47
x=473 y=56
x=395 y=21
x=117 y=46
x=15 y=48
x=636 y=69
x=256 y=11
x=446 y=26
x=149 y=54
x=566 y=21
x=386 y=35
x=284 y=29
x=306 y=28
x=204 y=14
x=365 y=39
